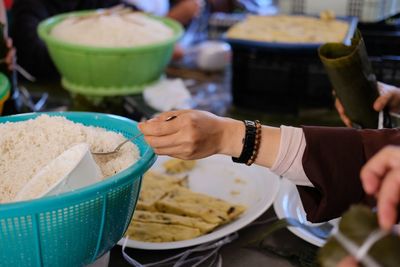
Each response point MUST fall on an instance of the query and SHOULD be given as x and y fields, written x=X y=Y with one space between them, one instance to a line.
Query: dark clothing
x=27 y=14
x=332 y=161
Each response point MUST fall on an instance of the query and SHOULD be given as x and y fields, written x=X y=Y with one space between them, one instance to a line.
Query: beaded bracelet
x=251 y=143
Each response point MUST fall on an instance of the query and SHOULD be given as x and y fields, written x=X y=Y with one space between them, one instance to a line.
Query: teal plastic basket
x=75 y=228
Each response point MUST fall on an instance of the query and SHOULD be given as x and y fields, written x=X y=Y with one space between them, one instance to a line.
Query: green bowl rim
x=123 y=177
x=46 y=25
x=4 y=86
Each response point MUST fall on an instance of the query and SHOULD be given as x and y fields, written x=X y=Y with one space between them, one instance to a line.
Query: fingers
x=388 y=199
x=377 y=167
x=159 y=126
x=172 y=151
x=390 y=98
x=348 y=262
x=10 y=58
x=381 y=102
x=342 y=114
x=159 y=142
x=9 y=43
x=165 y=115
x=178 y=52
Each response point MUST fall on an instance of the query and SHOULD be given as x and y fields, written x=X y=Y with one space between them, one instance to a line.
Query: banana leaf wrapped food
x=357 y=225
x=353 y=80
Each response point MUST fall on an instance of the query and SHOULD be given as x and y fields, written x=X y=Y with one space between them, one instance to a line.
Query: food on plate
x=289 y=29
x=168 y=211
x=169 y=218
x=235 y=193
x=174 y=166
x=26 y=147
x=155 y=186
x=182 y=201
x=158 y=232
x=119 y=29
x=240 y=181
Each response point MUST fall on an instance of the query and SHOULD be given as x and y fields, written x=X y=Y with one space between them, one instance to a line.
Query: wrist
x=233 y=132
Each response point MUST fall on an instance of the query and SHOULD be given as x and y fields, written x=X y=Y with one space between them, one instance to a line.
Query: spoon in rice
x=118 y=148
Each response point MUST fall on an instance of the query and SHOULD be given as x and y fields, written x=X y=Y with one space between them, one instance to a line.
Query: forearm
x=231 y=143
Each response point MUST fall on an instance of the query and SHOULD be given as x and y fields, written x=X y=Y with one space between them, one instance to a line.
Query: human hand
x=348 y=262
x=178 y=52
x=9 y=59
x=389 y=97
x=186 y=10
x=193 y=134
x=340 y=109
x=381 y=177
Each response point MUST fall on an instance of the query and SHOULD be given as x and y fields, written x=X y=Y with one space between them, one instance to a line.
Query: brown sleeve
x=332 y=161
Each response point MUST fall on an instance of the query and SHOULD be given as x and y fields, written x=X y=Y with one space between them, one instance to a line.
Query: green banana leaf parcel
x=353 y=80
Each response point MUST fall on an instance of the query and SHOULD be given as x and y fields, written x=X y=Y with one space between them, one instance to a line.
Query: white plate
x=287 y=204
x=218 y=176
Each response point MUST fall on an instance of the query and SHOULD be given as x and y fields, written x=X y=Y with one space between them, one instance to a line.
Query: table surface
x=211 y=92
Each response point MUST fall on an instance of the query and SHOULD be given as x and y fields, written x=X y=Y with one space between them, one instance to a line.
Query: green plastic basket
x=102 y=71
x=75 y=228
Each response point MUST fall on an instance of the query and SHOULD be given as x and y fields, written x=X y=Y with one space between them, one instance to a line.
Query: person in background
x=7 y=49
x=27 y=14
x=185 y=11
x=181 y=10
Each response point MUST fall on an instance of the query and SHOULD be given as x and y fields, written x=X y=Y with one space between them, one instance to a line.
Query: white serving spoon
x=71 y=170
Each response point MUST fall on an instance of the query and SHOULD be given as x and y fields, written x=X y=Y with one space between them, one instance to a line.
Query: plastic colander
x=75 y=228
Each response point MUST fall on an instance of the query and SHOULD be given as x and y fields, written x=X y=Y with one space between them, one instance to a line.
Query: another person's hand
x=185 y=11
x=348 y=262
x=193 y=134
x=340 y=109
x=389 y=96
x=381 y=177
x=178 y=52
x=9 y=59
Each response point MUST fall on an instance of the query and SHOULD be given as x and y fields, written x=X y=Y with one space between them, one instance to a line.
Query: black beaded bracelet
x=249 y=143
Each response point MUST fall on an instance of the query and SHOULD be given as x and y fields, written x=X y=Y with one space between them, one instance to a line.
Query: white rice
x=26 y=147
x=127 y=30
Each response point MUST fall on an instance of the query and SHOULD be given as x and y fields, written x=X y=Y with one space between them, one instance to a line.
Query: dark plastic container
x=382 y=38
x=280 y=77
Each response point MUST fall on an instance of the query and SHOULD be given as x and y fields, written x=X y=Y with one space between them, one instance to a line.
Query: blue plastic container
x=75 y=228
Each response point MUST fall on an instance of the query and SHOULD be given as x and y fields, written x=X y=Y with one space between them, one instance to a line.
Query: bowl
x=103 y=71
x=78 y=227
x=4 y=90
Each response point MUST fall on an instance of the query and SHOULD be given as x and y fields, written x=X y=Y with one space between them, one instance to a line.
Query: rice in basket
x=113 y=30
x=26 y=147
